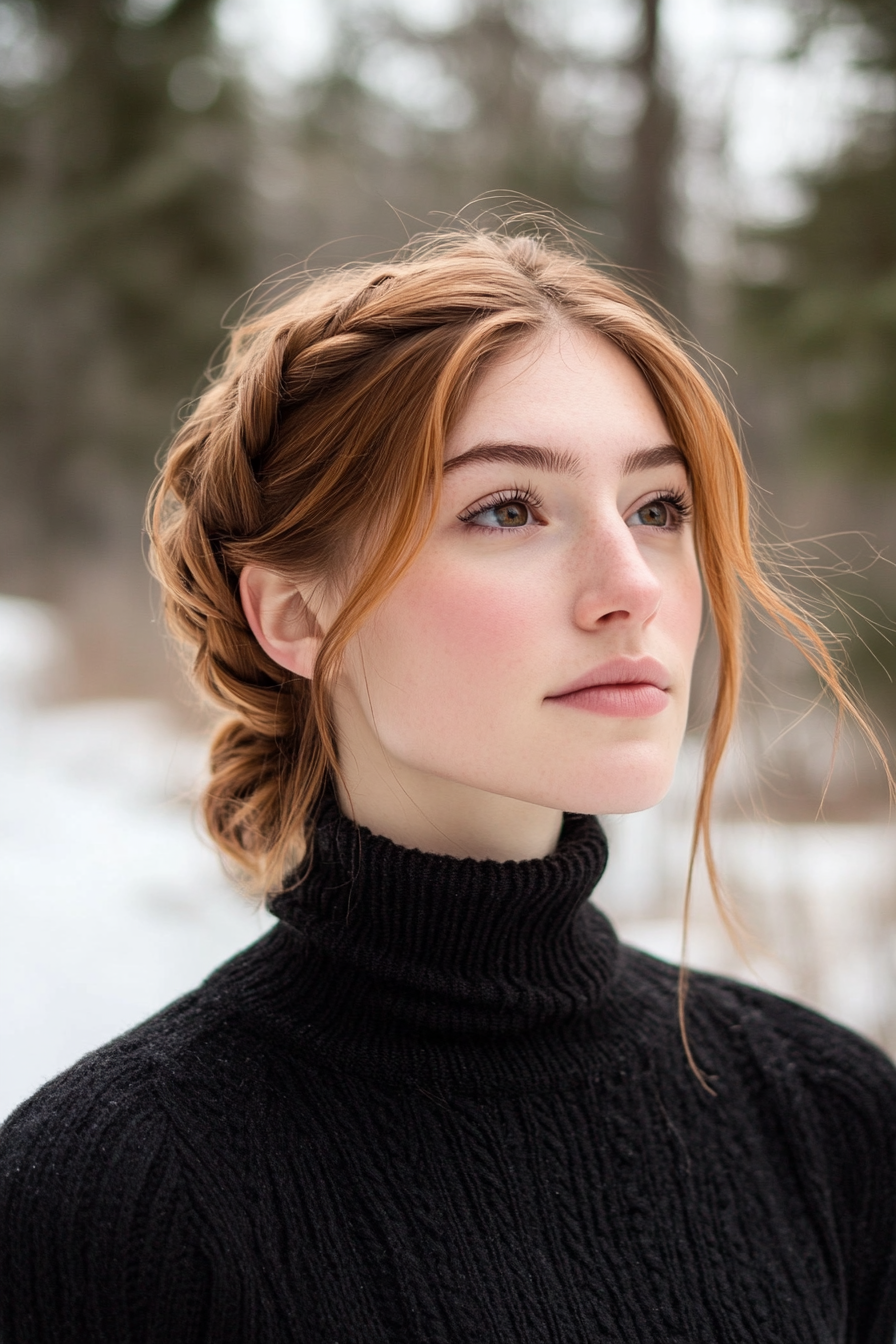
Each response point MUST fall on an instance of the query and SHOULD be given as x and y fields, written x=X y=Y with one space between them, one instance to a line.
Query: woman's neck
x=440 y=816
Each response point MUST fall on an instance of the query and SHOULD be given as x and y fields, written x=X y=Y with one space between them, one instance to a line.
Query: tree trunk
x=650 y=206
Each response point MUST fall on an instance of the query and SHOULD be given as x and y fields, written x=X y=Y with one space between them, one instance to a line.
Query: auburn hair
x=329 y=414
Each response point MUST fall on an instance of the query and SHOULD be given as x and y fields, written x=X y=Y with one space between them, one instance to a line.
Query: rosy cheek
x=467 y=627
x=695 y=599
x=687 y=596
x=686 y=611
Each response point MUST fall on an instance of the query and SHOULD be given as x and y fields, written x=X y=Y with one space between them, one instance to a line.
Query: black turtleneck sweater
x=440 y=1102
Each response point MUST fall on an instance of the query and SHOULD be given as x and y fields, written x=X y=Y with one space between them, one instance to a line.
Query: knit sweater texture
x=439 y=1103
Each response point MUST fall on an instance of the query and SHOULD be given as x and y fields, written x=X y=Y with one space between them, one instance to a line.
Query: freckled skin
x=447 y=737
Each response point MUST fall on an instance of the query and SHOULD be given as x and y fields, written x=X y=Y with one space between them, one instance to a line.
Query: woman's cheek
x=691 y=609
x=681 y=611
x=464 y=632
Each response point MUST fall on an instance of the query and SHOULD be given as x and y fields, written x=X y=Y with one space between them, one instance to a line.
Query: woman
x=435 y=534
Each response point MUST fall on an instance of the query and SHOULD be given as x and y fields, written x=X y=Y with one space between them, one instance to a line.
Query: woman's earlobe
x=281 y=619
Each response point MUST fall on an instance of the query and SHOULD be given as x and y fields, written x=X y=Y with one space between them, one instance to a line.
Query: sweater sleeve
x=851 y=1088
x=98 y=1240
x=858 y=1116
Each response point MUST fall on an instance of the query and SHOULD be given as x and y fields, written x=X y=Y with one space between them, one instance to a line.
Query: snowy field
x=111 y=903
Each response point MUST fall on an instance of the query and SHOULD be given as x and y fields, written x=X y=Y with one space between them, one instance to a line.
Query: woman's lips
x=622 y=700
x=625 y=688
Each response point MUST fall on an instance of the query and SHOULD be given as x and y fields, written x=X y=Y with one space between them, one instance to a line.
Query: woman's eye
x=655 y=514
x=513 y=514
x=669 y=513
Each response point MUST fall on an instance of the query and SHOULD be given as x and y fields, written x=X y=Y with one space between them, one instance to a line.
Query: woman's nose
x=617 y=582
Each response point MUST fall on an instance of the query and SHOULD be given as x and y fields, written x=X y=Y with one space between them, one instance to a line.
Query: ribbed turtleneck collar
x=427 y=943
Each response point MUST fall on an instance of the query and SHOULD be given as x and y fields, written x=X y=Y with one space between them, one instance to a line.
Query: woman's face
x=540 y=646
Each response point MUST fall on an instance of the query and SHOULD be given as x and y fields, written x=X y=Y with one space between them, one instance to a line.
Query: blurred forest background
x=158 y=158
x=161 y=158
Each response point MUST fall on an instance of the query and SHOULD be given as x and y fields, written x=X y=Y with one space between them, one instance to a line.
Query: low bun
x=245 y=807
x=248 y=802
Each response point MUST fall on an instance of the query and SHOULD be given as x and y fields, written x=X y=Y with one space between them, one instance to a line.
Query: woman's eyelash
x=526 y=496
x=677 y=500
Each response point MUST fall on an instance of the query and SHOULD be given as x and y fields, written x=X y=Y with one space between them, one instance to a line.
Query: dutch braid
x=327 y=416
x=218 y=504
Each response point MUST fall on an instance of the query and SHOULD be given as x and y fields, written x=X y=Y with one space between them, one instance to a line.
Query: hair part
x=320 y=440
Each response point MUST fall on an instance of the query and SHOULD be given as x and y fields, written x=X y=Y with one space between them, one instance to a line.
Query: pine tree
x=495 y=103
x=827 y=321
x=123 y=238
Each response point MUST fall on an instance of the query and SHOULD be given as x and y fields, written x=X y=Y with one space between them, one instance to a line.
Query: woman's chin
x=629 y=791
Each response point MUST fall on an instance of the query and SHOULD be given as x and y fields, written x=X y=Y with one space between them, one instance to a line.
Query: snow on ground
x=112 y=903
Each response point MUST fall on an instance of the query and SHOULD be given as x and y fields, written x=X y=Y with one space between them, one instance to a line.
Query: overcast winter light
x=776 y=112
x=279 y=40
x=129 y=134
x=779 y=113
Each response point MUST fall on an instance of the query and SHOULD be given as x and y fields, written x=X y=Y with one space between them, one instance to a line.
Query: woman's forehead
x=555 y=404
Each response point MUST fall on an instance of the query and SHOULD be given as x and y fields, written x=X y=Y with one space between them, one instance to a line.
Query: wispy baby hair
x=316 y=451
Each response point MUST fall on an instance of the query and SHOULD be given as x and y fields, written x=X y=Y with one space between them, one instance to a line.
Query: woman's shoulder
x=817 y=1099
x=92 y=1122
x=150 y=1088
x=780 y=1038
x=117 y=1148
x=791 y=1037
x=135 y=1078
x=81 y=1161
x=825 y=1099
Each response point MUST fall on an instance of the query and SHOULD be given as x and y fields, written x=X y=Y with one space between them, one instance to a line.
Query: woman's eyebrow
x=645 y=459
x=562 y=463
x=524 y=454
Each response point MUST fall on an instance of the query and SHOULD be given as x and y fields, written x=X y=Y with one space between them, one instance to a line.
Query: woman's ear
x=281 y=619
